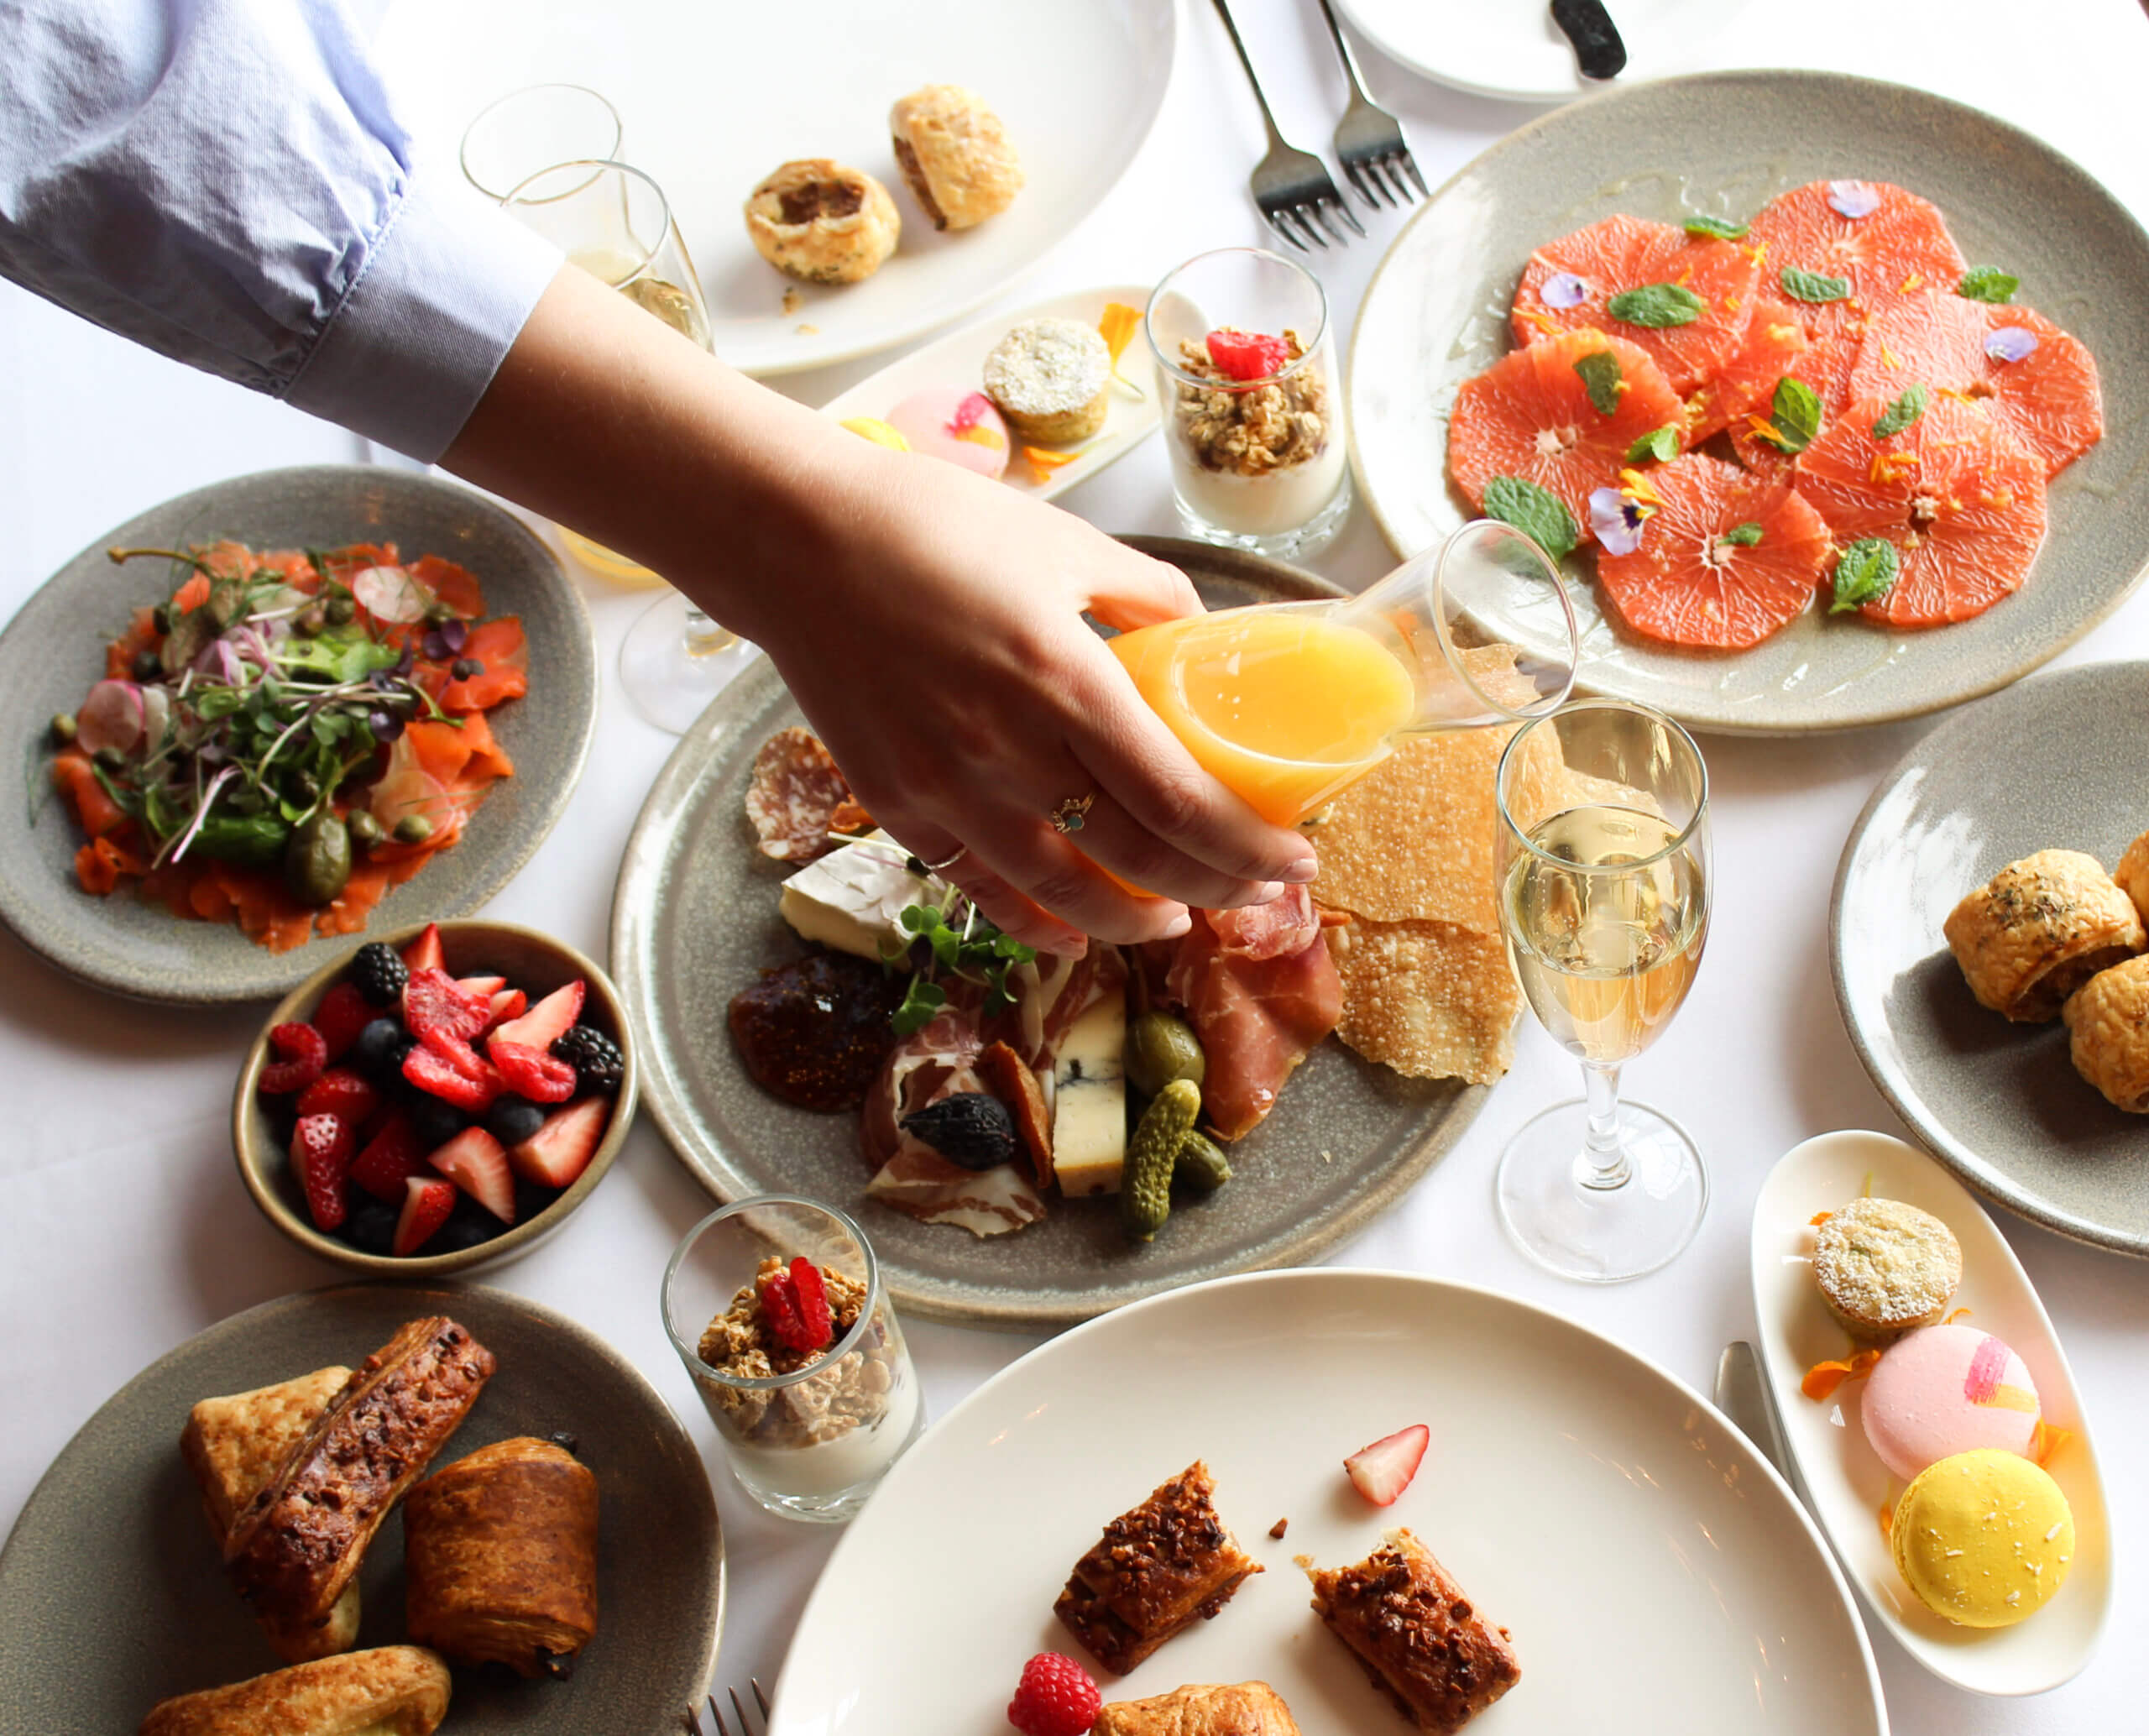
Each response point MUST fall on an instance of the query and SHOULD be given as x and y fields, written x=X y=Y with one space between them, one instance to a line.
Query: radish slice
x=112 y=717
x=389 y=593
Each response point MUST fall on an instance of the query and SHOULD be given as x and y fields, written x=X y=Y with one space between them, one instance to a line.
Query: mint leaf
x=1813 y=286
x=1661 y=444
x=1721 y=227
x=1744 y=535
x=1864 y=574
x=1794 y=417
x=1900 y=415
x=1988 y=283
x=1655 y=305
x=1601 y=374
x=1536 y=512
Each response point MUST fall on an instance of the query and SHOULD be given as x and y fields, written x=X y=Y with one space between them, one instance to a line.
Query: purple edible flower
x=1563 y=289
x=1616 y=521
x=457 y=632
x=385 y=725
x=1854 y=198
x=2011 y=343
x=436 y=646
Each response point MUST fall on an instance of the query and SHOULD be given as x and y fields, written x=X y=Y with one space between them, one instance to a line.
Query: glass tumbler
x=808 y=1435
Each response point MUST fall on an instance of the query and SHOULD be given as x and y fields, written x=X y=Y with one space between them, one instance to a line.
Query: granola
x=1251 y=431
x=840 y=1395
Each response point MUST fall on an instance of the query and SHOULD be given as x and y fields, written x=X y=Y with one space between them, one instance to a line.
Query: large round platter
x=1653 y=1572
x=1436 y=313
x=712 y=98
x=54 y=649
x=2055 y=763
x=112 y=1597
x=694 y=917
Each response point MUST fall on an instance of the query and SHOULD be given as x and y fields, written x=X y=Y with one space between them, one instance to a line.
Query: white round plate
x=1846 y=1481
x=1512 y=48
x=712 y=96
x=959 y=359
x=1655 y=1574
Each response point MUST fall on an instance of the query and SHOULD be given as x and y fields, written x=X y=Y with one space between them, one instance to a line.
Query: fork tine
x=1303 y=226
x=1365 y=175
x=1391 y=182
x=716 y=1712
x=1326 y=209
x=761 y=1699
x=1344 y=210
x=1313 y=215
x=1276 y=222
x=745 y=1728
x=1410 y=163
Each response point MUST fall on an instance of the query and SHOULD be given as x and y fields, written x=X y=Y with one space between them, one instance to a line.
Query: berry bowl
x=439 y=1100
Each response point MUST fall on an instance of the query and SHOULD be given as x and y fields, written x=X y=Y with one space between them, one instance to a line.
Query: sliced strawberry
x=433 y=1001
x=509 y=1004
x=320 y=1152
x=426 y=1202
x=1248 y=355
x=488 y=986
x=430 y=1073
x=476 y=1162
x=530 y=1072
x=350 y=1096
x=425 y=952
x=779 y=1294
x=1382 y=1471
x=559 y=1151
x=305 y=1054
x=343 y=1012
x=389 y=1159
x=812 y=1302
x=548 y=1020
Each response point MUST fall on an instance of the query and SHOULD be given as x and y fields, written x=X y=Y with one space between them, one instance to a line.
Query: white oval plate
x=958 y=359
x=712 y=96
x=1655 y=1574
x=1846 y=1483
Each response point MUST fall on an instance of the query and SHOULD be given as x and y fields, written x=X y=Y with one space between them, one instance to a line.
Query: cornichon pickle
x=1145 y=1185
x=317 y=860
x=1161 y=1047
x=1200 y=1164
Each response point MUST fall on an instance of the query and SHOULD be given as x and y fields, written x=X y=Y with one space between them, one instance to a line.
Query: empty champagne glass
x=1604 y=901
x=613 y=222
x=533 y=129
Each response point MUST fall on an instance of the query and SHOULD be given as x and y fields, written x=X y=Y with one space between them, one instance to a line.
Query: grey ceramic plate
x=2055 y=764
x=54 y=649
x=112 y=1595
x=1726 y=142
x=694 y=917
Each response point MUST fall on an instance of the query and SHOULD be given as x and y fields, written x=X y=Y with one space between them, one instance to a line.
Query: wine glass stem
x=705 y=634
x=1604 y=1158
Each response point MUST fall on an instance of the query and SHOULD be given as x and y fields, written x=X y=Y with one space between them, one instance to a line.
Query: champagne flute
x=1604 y=901
x=613 y=222
x=534 y=127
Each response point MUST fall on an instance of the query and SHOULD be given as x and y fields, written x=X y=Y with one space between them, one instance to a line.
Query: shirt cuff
x=415 y=342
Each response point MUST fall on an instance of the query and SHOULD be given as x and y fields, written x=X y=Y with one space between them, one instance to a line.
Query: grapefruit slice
x=1687 y=582
x=1530 y=415
x=1963 y=502
x=1593 y=264
x=1934 y=338
x=2050 y=400
x=1775 y=342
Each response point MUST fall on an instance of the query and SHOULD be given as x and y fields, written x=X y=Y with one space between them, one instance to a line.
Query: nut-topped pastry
x=820 y=221
x=1421 y=1639
x=1884 y=1268
x=1158 y=1569
x=2039 y=929
x=955 y=155
x=2108 y=1034
x=1051 y=379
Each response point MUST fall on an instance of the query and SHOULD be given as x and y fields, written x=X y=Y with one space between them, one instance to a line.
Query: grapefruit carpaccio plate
x=1849 y=223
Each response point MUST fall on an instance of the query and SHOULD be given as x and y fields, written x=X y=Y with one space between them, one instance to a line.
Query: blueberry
x=529 y=1199
x=514 y=1119
x=433 y=1121
x=371 y=1226
x=467 y=1225
x=380 y=1048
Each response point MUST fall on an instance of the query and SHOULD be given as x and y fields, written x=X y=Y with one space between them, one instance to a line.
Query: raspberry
x=779 y=1294
x=342 y=1015
x=434 y=1002
x=532 y=1073
x=320 y=1152
x=342 y=1093
x=441 y=1079
x=1056 y=1697
x=458 y=1054
x=304 y=1052
x=1248 y=355
x=812 y=1295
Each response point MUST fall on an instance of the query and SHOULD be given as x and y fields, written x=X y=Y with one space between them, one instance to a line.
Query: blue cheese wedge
x=851 y=899
x=1089 y=1117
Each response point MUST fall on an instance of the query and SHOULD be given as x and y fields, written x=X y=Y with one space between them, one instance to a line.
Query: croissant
x=1246 y=1708
x=391 y=1691
x=500 y=1553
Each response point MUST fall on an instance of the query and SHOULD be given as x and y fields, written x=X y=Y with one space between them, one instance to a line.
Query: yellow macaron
x=1983 y=1538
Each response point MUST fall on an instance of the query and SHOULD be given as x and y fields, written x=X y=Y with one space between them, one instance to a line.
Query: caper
x=466 y=668
x=160 y=617
x=63 y=727
x=148 y=666
x=412 y=829
x=1161 y=1047
x=308 y=621
x=110 y=758
x=365 y=829
x=341 y=610
x=317 y=860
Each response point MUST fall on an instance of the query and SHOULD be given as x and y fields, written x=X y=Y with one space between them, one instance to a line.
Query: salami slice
x=793 y=798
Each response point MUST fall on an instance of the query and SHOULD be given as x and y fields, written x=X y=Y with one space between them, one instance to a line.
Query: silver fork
x=1369 y=140
x=1291 y=186
x=738 y=1712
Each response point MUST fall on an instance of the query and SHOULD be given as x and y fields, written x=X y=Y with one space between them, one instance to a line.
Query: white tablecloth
x=122 y=1230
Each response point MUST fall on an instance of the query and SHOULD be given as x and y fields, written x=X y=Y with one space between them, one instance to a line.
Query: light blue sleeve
x=226 y=182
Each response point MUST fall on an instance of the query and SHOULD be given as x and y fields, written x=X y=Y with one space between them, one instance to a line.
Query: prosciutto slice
x=939 y=1060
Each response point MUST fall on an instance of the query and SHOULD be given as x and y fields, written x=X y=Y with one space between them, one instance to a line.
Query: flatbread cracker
x=1431 y=999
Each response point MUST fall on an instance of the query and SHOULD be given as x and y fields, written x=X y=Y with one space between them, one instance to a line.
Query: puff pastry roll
x=2108 y=1034
x=822 y=221
x=499 y=1552
x=2039 y=929
x=955 y=154
x=233 y=1446
x=2133 y=875
x=298 y=1543
x=391 y=1691
x=1246 y=1708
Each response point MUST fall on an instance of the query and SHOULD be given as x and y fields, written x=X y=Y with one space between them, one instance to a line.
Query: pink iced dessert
x=1946 y=1390
x=955 y=424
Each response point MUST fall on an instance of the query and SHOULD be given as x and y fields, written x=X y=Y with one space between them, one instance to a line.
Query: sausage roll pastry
x=819 y=220
x=2039 y=929
x=391 y=1691
x=298 y=1543
x=955 y=155
x=1246 y=1708
x=2108 y=1034
x=2133 y=875
x=499 y=1552
x=233 y=1446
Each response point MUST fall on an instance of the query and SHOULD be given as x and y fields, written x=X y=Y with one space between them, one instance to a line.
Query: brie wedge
x=851 y=899
x=1089 y=1119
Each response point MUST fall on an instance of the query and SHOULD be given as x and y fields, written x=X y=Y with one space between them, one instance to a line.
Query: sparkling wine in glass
x=1604 y=901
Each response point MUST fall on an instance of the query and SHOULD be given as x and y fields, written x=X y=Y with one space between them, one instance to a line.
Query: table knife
x=1598 y=50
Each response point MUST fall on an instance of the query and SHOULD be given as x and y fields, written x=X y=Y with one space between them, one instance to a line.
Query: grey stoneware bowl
x=530 y=961
x=53 y=650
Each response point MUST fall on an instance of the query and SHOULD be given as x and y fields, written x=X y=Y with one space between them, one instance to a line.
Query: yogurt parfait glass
x=1253 y=417
x=810 y=1418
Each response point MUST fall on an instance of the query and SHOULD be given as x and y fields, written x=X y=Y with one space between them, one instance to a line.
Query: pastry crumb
x=1305 y=1562
x=806 y=331
x=792 y=300
x=1278 y=1529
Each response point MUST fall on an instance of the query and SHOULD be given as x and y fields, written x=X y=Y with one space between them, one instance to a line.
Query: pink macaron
x=955 y=424
x=1946 y=1390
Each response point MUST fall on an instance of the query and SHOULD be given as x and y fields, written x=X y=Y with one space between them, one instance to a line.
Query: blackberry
x=379 y=1050
x=380 y=973
x=371 y=1227
x=434 y=1121
x=511 y=1120
x=597 y=1061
